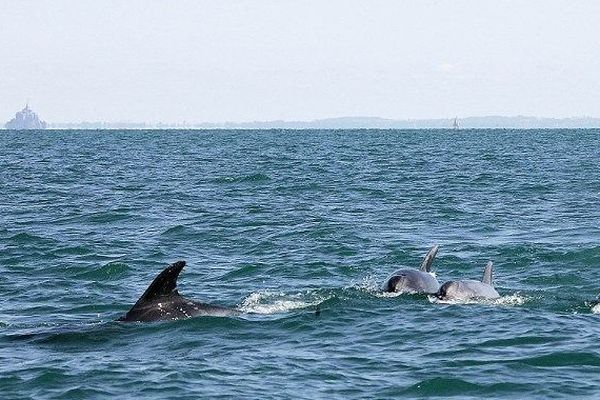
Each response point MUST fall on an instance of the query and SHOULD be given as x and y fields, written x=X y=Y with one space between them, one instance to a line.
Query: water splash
x=367 y=284
x=265 y=302
x=515 y=299
x=388 y=294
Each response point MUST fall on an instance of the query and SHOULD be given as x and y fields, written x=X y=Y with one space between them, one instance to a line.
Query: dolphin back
x=428 y=260
x=474 y=289
x=164 y=284
x=411 y=281
x=487 y=273
x=161 y=301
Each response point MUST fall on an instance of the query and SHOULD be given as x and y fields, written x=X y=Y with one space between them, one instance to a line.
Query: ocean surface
x=299 y=229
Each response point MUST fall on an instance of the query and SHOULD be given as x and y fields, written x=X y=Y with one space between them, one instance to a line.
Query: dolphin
x=414 y=281
x=162 y=302
x=469 y=289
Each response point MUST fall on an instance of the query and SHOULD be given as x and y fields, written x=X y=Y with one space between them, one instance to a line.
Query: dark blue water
x=278 y=222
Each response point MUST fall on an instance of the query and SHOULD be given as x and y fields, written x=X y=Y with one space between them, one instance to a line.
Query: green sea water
x=280 y=224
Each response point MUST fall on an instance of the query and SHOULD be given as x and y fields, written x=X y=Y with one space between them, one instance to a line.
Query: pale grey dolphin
x=414 y=281
x=469 y=289
x=161 y=301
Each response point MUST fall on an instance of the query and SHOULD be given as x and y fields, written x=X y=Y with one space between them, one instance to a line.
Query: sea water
x=299 y=229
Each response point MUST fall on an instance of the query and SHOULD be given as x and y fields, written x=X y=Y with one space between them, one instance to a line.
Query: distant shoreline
x=196 y=129
x=486 y=122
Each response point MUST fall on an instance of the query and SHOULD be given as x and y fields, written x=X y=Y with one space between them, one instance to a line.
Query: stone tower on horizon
x=25 y=119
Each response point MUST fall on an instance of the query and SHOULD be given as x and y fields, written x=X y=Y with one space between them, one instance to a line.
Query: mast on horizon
x=455 y=125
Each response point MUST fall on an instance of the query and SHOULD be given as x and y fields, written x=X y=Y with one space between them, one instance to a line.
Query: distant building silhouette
x=25 y=119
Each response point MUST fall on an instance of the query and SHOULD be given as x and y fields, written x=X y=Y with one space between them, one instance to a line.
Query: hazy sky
x=208 y=61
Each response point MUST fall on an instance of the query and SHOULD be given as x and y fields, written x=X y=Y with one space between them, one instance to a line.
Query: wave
x=179 y=231
x=253 y=178
x=245 y=270
x=73 y=251
x=563 y=359
x=104 y=217
x=24 y=238
x=106 y=272
x=443 y=386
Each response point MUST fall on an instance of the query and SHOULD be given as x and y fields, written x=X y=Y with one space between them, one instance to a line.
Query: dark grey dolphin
x=161 y=301
x=470 y=289
x=414 y=281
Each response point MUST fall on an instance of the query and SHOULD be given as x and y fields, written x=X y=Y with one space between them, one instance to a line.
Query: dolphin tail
x=428 y=260
x=164 y=284
x=487 y=273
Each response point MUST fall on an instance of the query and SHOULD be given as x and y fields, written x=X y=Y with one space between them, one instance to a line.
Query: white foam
x=596 y=309
x=433 y=299
x=516 y=299
x=265 y=302
x=387 y=294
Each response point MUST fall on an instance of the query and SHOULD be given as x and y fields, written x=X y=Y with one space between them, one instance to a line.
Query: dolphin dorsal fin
x=487 y=273
x=164 y=284
x=428 y=260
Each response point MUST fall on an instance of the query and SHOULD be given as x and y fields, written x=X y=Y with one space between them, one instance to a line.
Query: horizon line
x=351 y=122
x=392 y=119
